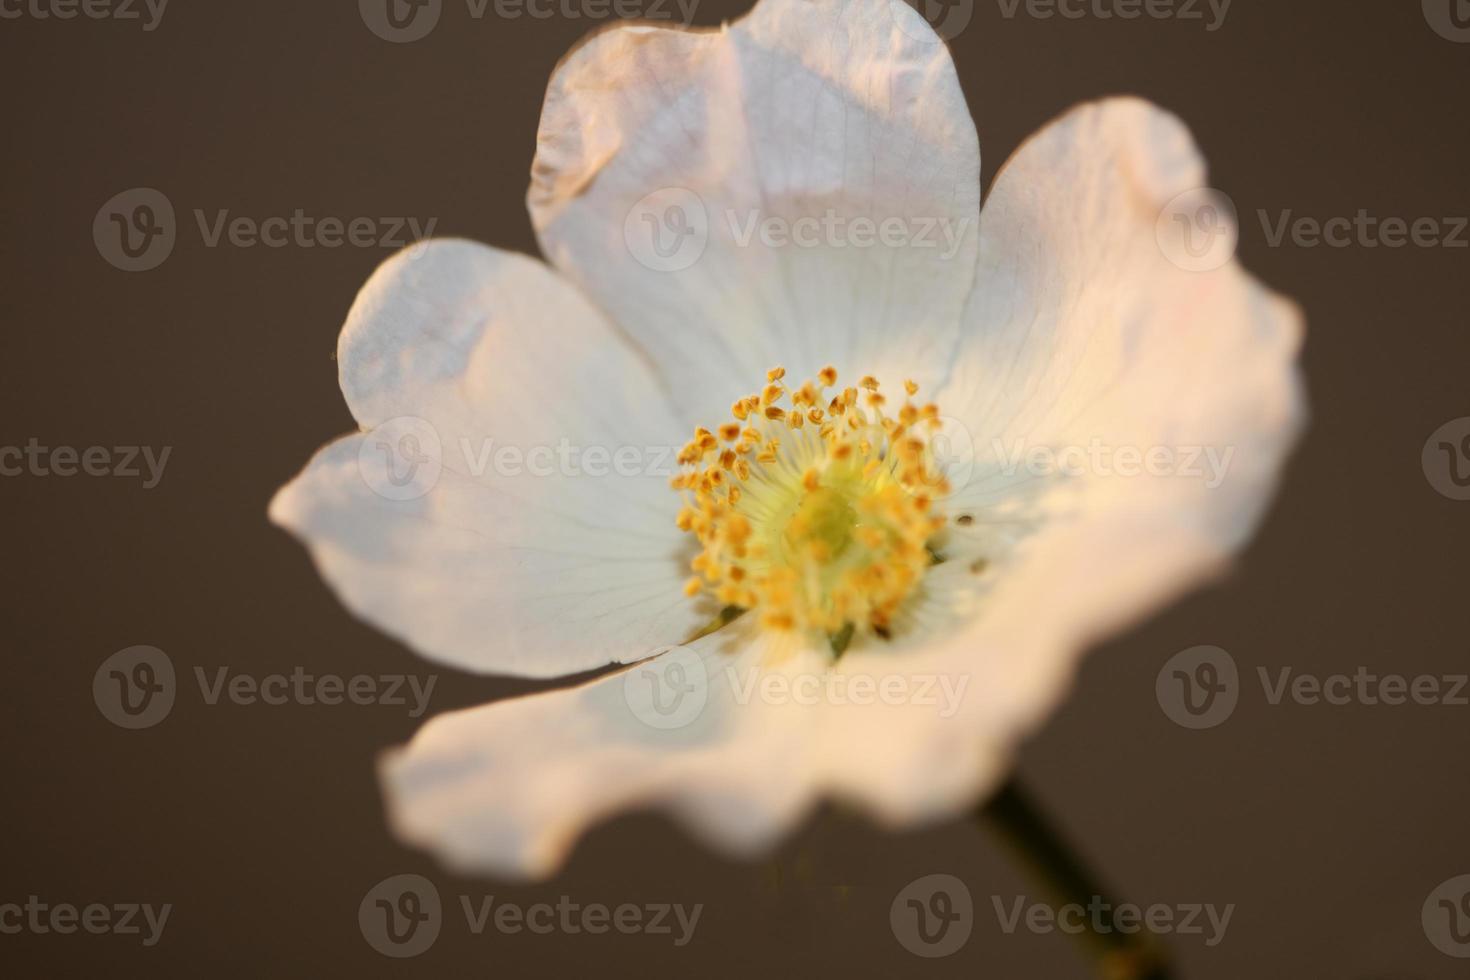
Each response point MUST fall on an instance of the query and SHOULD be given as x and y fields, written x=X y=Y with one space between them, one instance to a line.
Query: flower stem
x=1061 y=873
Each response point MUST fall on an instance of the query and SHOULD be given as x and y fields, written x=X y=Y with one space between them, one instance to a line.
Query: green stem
x=1067 y=880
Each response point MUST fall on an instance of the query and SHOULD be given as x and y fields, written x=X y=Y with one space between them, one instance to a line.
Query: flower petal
x=660 y=152
x=1090 y=342
x=1081 y=331
x=485 y=518
x=508 y=787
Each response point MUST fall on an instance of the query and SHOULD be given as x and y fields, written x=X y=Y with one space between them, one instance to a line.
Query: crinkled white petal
x=507 y=788
x=535 y=534
x=663 y=153
x=1084 y=339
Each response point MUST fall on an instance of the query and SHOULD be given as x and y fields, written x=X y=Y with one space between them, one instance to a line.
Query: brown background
x=1326 y=826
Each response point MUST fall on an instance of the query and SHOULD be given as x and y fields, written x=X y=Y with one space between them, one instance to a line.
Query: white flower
x=971 y=581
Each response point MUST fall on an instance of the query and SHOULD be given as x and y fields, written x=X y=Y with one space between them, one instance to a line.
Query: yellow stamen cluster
x=814 y=509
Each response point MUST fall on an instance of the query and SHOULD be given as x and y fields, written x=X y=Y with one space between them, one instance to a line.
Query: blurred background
x=1332 y=830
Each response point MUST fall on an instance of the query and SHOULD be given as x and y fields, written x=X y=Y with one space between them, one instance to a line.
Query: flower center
x=816 y=511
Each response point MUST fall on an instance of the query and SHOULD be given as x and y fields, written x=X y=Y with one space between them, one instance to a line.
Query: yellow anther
x=828 y=534
x=912 y=387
